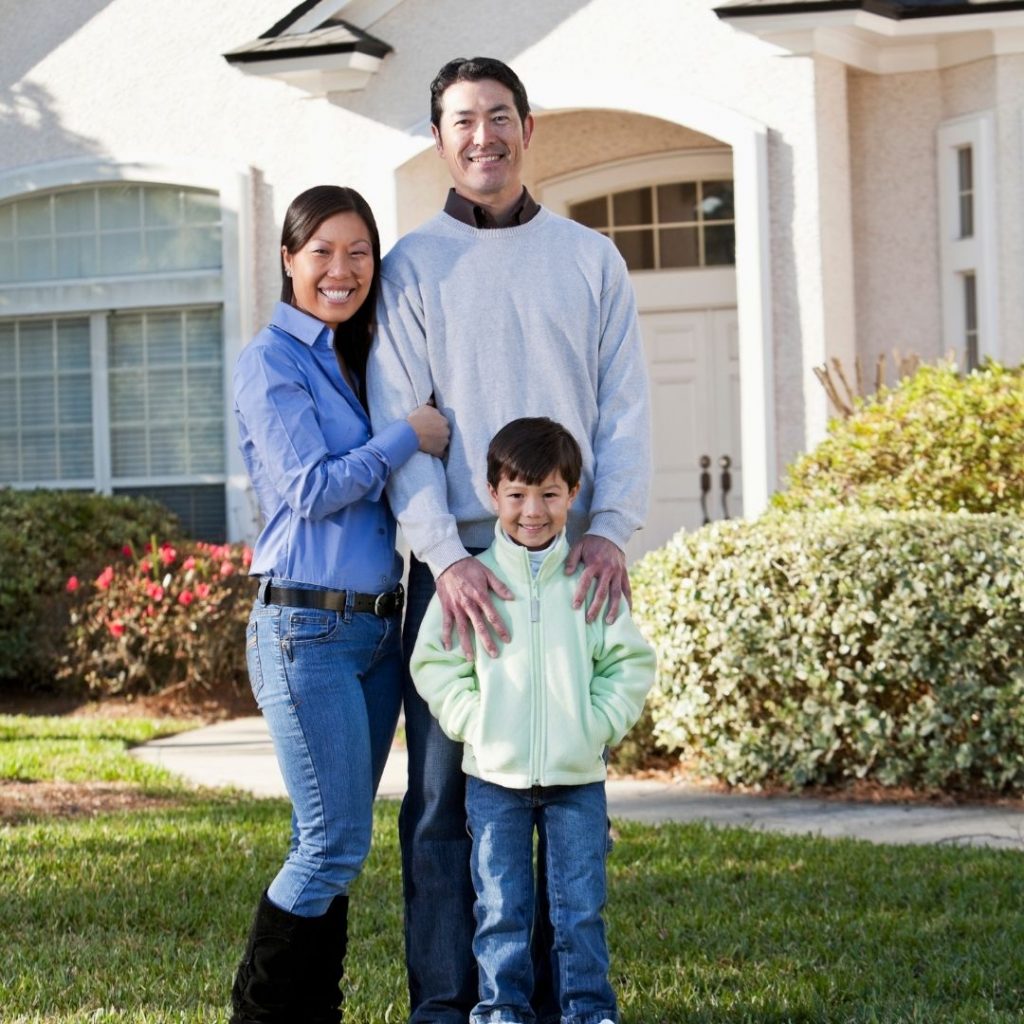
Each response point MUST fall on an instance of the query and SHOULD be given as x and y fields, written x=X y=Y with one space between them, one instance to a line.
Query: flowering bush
x=166 y=616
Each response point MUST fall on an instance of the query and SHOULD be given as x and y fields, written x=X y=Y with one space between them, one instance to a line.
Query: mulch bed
x=25 y=801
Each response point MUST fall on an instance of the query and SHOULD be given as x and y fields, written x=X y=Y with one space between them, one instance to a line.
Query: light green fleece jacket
x=542 y=712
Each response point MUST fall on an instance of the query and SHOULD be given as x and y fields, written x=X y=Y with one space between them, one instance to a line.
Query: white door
x=693 y=367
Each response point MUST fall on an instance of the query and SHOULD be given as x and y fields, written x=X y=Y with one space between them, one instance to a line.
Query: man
x=496 y=309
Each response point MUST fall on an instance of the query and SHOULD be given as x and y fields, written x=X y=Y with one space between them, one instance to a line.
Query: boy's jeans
x=573 y=823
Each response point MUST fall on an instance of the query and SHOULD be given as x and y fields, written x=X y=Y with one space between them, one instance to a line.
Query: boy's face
x=533 y=514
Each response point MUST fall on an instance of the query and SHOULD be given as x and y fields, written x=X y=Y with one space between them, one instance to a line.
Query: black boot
x=292 y=967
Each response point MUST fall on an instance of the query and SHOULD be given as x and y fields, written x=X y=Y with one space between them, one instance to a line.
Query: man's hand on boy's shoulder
x=604 y=563
x=464 y=592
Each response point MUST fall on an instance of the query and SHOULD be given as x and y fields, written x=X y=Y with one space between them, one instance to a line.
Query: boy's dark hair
x=531 y=449
x=476 y=69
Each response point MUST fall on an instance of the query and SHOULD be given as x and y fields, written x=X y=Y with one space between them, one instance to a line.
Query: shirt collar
x=476 y=216
x=299 y=325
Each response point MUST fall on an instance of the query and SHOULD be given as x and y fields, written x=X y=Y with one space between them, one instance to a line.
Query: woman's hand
x=431 y=428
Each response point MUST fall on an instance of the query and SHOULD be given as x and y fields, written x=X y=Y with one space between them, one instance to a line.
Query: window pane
x=126 y=346
x=717 y=202
x=680 y=247
x=720 y=246
x=167 y=452
x=73 y=344
x=8 y=407
x=6 y=221
x=34 y=217
x=965 y=168
x=200 y=248
x=202 y=208
x=76 y=257
x=120 y=208
x=8 y=350
x=10 y=471
x=35 y=259
x=593 y=213
x=632 y=207
x=637 y=248
x=204 y=392
x=121 y=253
x=967 y=215
x=75 y=401
x=127 y=397
x=164 y=343
x=38 y=456
x=36 y=346
x=206 y=446
x=7 y=271
x=128 y=451
x=76 y=453
x=203 y=335
x=200 y=507
x=75 y=212
x=163 y=207
x=38 y=402
x=166 y=395
x=163 y=250
x=677 y=202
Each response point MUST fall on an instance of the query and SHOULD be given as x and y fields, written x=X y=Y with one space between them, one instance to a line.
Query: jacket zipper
x=537 y=681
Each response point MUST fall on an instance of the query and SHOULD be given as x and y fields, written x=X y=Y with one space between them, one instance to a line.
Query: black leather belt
x=381 y=605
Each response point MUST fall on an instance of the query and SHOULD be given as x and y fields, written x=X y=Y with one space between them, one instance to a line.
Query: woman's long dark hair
x=305 y=214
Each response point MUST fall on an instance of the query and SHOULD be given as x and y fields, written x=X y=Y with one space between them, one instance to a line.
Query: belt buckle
x=390 y=603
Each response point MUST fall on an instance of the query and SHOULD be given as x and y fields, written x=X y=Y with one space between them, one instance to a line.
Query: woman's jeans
x=572 y=824
x=329 y=687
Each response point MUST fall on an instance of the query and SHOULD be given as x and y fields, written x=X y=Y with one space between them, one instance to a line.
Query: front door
x=693 y=368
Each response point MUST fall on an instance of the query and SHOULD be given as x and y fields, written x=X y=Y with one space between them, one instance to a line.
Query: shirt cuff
x=397 y=443
x=444 y=555
x=612 y=526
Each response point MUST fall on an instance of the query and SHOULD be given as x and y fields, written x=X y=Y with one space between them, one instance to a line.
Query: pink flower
x=247 y=556
x=116 y=627
x=226 y=568
x=105 y=578
x=167 y=554
x=155 y=591
x=189 y=563
x=72 y=584
x=144 y=566
x=202 y=590
x=186 y=597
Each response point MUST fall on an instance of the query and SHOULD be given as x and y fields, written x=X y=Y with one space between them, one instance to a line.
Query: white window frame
x=978 y=254
x=228 y=287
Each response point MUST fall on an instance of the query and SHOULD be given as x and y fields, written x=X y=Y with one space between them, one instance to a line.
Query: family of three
x=484 y=385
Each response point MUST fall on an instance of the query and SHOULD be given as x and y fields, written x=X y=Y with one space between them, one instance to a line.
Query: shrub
x=45 y=536
x=170 y=616
x=824 y=648
x=937 y=441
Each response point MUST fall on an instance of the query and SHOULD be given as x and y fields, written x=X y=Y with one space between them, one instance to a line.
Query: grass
x=140 y=917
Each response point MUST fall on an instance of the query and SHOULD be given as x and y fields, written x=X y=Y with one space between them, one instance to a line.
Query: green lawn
x=140 y=917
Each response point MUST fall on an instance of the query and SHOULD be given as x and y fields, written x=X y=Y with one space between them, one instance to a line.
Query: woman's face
x=332 y=273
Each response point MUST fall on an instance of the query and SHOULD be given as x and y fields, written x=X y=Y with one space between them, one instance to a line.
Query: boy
x=535 y=722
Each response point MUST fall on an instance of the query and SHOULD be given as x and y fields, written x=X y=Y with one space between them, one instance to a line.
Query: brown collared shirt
x=477 y=217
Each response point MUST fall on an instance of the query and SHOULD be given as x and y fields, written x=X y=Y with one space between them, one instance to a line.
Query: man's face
x=483 y=141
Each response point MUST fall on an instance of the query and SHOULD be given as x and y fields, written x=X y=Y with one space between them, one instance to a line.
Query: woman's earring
x=288 y=271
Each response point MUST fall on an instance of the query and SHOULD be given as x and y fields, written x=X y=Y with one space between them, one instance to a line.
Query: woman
x=323 y=638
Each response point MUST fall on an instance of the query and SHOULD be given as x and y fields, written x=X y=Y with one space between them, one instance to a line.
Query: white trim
x=101 y=401
x=979 y=253
x=883 y=45
x=362 y=13
x=233 y=184
x=318 y=74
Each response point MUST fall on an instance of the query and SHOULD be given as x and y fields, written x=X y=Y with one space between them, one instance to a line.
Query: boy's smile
x=533 y=514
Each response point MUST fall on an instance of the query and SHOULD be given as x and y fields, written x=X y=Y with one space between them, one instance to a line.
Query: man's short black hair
x=476 y=69
x=529 y=450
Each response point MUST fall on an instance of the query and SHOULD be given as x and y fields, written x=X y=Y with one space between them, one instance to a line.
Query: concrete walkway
x=238 y=753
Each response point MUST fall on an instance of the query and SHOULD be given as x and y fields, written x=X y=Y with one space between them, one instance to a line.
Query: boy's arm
x=446 y=680
x=623 y=673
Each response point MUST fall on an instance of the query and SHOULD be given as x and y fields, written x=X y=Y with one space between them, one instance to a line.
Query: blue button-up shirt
x=317 y=472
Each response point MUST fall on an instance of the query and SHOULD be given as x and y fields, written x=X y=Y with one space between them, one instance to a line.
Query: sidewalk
x=238 y=753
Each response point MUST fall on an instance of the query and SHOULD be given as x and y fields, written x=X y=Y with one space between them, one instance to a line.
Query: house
x=788 y=182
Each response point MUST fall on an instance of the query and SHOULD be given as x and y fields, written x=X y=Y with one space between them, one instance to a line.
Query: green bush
x=44 y=537
x=825 y=648
x=164 y=616
x=937 y=441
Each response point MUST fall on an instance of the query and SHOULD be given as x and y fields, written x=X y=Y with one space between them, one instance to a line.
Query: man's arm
x=622 y=453
x=398 y=372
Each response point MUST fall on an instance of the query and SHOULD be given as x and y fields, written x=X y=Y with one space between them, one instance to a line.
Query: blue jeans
x=329 y=686
x=435 y=846
x=572 y=821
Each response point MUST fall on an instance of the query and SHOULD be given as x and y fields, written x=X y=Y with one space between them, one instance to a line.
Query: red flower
x=186 y=597
x=72 y=584
x=167 y=554
x=202 y=590
x=155 y=591
x=116 y=627
x=105 y=578
x=144 y=566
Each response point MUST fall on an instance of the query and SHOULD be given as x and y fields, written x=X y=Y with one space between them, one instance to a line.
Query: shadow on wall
x=29 y=123
x=399 y=95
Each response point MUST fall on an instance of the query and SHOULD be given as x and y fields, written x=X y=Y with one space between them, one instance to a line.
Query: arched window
x=111 y=360
x=678 y=225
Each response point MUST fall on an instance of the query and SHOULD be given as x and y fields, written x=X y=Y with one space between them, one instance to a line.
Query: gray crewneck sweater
x=538 y=319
